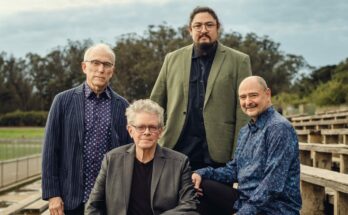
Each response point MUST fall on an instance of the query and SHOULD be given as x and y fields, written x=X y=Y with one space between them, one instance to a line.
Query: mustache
x=251 y=106
x=204 y=35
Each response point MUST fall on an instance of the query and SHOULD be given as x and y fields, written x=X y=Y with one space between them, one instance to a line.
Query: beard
x=204 y=48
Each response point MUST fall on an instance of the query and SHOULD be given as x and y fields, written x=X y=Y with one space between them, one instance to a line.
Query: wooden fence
x=18 y=170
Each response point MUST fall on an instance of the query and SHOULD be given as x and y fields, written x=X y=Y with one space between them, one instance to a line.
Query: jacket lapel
x=215 y=70
x=187 y=59
x=115 y=111
x=158 y=164
x=128 y=172
x=80 y=112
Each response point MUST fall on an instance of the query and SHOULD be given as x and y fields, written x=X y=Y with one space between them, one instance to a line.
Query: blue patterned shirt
x=265 y=165
x=97 y=135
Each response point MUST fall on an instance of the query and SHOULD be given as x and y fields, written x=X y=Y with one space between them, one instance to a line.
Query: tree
x=277 y=68
x=139 y=59
x=16 y=87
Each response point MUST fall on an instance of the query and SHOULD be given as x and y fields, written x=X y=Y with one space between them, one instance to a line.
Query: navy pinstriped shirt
x=266 y=166
x=97 y=135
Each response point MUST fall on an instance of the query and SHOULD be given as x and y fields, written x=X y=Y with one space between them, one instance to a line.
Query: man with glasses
x=83 y=124
x=197 y=86
x=143 y=178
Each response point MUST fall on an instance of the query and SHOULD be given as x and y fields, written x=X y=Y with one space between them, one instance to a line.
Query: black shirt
x=193 y=141
x=140 y=196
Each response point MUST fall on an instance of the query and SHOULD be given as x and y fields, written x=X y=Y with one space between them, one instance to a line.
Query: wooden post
x=322 y=160
x=310 y=205
x=345 y=139
x=341 y=203
x=344 y=164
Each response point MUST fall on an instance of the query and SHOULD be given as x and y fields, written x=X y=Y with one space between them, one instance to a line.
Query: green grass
x=17 y=150
x=20 y=143
x=21 y=132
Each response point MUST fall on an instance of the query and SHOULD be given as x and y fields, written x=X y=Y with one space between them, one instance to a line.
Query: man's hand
x=56 y=206
x=196 y=180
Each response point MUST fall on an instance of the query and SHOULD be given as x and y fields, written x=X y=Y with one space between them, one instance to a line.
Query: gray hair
x=147 y=106
x=102 y=46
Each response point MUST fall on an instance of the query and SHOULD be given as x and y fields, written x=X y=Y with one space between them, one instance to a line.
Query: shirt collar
x=88 y=92
x=261 y=120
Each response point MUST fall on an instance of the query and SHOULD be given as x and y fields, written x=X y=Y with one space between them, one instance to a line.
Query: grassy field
x=17 y=142
x=21 y=132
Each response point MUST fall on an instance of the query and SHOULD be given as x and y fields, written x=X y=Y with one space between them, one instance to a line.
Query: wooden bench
x=309 y=136
x=321 y=156
x=36 y=208
x=321 y=117
x=313 y=184
x=325 y=136
x=335 y=136
x=16 y=208
x=318 y=125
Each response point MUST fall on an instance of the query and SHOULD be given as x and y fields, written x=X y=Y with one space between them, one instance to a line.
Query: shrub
x=20 y=118
x=333 y=92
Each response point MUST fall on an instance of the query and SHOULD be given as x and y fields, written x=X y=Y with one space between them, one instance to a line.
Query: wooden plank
x=326 y=122
x=18 y=206
x=313 y=197
x=344 y=164
x=46 y=212
x=334 y=149
x=36 y=207
x=338 y=131
x=325 y=178
x=341 y=203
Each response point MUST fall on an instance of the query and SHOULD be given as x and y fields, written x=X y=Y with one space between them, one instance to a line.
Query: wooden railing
x=18 y=170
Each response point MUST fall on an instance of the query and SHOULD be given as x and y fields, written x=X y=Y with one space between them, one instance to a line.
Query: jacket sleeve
x=50 y=153
x=187 y=203
x=241 y=118
x=159 y=91
x=96 y=204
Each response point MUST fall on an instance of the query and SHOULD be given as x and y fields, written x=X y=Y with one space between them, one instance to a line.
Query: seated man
x=265 y=165
x=143 y=178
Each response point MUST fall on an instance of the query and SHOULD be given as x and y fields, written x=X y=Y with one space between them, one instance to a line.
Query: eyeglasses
x=142 y=128
x=199 y=26
x=97 y=63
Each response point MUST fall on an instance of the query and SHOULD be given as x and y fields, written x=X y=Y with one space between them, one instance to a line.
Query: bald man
x=266 y=162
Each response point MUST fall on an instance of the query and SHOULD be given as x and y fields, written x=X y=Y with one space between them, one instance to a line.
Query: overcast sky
x=315 y=29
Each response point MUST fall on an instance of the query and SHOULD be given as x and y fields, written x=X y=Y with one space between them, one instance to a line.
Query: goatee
x=204 y=48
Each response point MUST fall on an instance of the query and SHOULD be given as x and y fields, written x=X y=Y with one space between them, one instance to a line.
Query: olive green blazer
x=222 y=114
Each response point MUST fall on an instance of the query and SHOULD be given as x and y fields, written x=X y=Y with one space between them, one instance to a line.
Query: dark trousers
x=77 y=211
x=217 y=198
x=199 y=165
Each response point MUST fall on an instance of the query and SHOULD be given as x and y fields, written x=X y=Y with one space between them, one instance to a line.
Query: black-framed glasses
x=199 y=26
x=97 y=63
x=142 y=128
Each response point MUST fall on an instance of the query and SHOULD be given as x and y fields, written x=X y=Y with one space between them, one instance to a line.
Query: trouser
x=217 y=198
x=77 y=211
